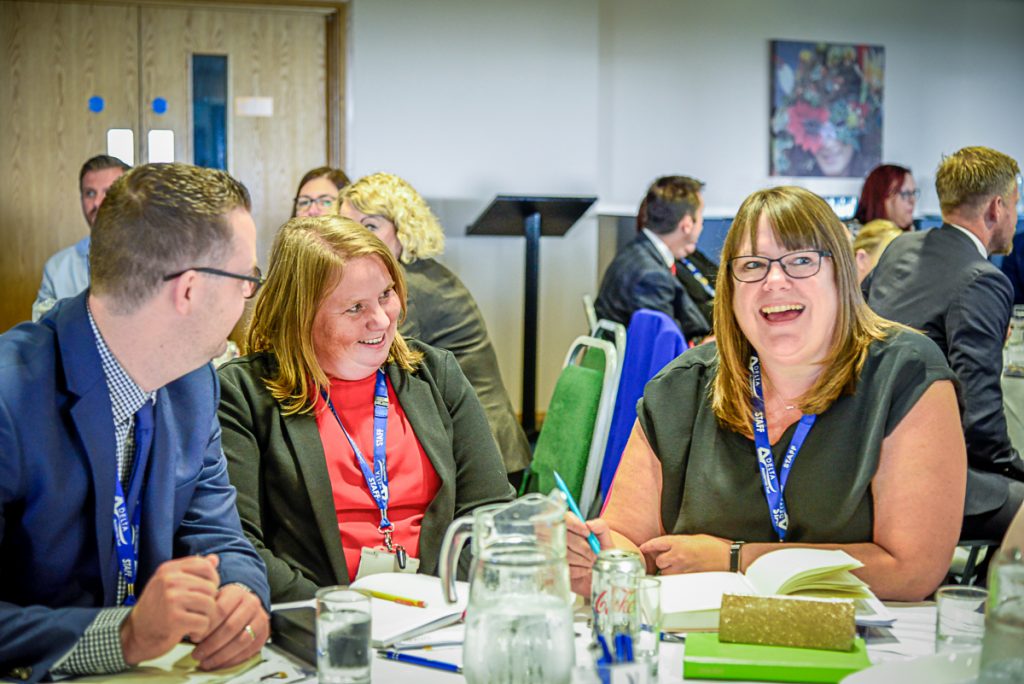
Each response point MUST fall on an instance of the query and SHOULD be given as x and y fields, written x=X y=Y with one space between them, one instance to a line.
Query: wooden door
x=274 y=54
x=54 y=58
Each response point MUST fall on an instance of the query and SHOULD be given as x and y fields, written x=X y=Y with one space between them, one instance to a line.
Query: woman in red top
x=351 y=448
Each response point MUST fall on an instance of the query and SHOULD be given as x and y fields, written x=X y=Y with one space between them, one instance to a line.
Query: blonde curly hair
x=388 y=196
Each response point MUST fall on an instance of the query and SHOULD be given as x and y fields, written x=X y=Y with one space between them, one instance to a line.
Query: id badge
x=376 y=561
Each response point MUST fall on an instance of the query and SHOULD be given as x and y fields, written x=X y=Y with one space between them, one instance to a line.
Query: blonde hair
x=387 y=195
x=307 y=262
x=875 y=236
x=970 y=176
x=800 y=220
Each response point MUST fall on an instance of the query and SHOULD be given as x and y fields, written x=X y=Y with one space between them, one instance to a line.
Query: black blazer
x=709 y=269
x=938 y=282
x=639 y=279
x=278 y=466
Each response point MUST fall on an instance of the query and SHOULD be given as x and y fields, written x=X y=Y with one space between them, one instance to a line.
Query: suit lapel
x=309 y=452
x=94 y=423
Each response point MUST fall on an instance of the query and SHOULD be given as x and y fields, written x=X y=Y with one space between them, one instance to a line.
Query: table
x=912 y=636
x=1013 y=407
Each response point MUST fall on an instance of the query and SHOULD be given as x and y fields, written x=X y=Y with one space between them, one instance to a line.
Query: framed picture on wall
x=826 y=117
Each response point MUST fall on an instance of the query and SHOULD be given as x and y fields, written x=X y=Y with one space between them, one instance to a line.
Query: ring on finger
x=250 y=632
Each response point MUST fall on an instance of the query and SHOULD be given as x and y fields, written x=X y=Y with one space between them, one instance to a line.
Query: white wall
x=470 y=98
x=685 y=86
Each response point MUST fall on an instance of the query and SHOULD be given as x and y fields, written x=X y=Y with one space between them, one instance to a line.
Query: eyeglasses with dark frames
x=801 y=264
x=303 y=202
x=253 y=282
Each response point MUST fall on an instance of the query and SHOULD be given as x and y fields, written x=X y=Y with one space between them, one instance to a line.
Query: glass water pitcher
x=519 y=616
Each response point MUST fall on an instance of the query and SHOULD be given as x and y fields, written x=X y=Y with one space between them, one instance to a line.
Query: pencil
x=415 y=603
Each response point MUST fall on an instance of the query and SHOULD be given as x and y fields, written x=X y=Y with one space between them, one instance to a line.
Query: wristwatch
x=734 y=555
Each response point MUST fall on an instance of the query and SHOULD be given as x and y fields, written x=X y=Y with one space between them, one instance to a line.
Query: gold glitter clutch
x=825 y=623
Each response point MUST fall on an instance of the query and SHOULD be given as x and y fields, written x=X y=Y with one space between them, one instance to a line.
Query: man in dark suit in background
x=118 y=529
x=643 y=274
x=941 y=282
x=696 y=271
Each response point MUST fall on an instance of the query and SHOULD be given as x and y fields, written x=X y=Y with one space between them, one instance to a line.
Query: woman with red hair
x=890 y=193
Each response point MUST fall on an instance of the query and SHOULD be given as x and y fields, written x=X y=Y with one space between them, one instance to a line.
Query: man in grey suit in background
x=941 y=282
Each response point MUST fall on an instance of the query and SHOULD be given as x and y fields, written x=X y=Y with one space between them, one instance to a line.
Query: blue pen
x=592 y=539
x=422 y=662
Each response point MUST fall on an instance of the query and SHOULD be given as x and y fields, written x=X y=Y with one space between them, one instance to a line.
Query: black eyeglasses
x=303 y=202
x=753 y=269
x=252 y=282
x=909 y=194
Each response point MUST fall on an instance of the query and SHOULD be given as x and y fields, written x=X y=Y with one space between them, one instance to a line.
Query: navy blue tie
x=143 y=434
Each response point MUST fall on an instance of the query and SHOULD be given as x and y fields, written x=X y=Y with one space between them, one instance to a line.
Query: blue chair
x=652 y=340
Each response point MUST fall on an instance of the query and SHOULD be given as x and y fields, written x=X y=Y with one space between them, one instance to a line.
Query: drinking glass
x=342 y=636
x=1002 y=652
x=649 y=639
x=960 y=618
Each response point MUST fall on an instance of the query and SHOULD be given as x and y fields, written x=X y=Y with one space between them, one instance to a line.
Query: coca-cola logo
x=620 y=601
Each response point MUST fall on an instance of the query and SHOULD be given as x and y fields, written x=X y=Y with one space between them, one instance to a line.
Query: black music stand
x=530 y=217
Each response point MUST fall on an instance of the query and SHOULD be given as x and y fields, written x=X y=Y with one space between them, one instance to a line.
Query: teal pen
x=423 y=662
x=592 y=539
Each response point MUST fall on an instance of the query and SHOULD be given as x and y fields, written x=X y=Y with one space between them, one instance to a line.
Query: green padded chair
x=573 y=437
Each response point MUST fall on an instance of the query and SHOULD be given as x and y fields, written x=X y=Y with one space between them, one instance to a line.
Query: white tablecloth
x=913 y=635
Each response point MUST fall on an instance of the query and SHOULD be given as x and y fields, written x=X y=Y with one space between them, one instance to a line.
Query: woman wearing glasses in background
x=801 y=364
x=890 y=193
x=318 y=192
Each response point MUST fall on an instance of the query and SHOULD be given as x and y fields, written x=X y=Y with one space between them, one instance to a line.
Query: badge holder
x=390 y=557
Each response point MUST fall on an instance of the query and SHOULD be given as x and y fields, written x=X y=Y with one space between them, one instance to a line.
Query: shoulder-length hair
x=307 y=262
x=880 y=185
x=387 y=195
x=800 y=220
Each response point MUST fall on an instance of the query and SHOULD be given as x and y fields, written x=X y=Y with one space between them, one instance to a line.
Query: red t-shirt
x=412 y=480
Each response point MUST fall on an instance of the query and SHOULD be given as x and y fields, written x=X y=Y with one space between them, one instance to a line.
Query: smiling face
x=833 y=156
x=356 y=322
x=789 y=321
x=900 y=209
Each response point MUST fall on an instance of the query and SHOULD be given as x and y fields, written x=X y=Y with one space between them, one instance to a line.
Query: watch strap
x=734 y=556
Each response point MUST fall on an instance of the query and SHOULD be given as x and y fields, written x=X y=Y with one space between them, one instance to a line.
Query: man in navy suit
x=118 y=530
x=643 y=274
x=941 y=282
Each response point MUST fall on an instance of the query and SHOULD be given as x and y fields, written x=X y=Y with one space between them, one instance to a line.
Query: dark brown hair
x=158 y=219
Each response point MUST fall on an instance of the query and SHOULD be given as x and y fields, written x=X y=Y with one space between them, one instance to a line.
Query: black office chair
x=975 y=563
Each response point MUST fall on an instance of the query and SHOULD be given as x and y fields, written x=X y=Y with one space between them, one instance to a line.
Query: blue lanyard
x=774 y=486
x=701 y=278
x=376 y=479
x=126 y=538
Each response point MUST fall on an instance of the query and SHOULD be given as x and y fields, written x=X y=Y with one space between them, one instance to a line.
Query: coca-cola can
x=613 y=593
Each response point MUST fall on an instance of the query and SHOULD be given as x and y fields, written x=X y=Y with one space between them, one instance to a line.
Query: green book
x=707 y=658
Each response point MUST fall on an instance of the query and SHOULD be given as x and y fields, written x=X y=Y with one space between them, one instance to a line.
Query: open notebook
x=692 y=600
x=393 y=622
